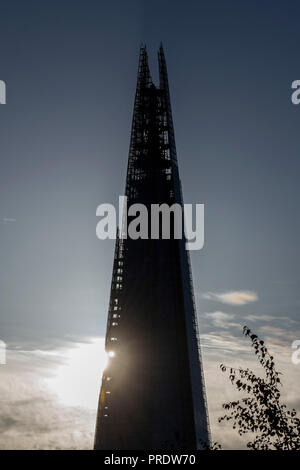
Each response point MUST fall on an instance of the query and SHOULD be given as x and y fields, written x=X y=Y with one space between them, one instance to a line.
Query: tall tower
x=152 y=393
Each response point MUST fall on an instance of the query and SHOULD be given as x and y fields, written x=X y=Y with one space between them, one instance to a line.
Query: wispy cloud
x=221 y=319
x=276 y=331
x=269 y=318
x=7 y=220
x=238 y=297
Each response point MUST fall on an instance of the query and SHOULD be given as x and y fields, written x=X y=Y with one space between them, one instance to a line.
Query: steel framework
x=152 y=394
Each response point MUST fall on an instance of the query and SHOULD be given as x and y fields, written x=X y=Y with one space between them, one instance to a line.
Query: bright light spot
x=77 y=382
x=111 y=354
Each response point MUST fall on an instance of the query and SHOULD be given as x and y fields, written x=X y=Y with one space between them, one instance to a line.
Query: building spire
x=144 y=77
x=163 y=73
x=152 y=392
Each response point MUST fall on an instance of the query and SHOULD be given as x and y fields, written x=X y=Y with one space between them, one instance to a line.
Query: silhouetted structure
x=152 y=394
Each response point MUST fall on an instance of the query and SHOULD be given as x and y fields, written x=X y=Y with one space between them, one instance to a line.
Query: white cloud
x=232 y=297
x=45 y=404
x=221 y=319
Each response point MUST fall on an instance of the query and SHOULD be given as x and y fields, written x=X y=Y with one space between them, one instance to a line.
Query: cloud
x=7 y=220
x=232 y=297
x=284 y=334
x=33 y=416
x=221 y=319
x=34 y=385
x=269 y=318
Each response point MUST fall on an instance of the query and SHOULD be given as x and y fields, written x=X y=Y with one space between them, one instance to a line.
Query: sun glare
x=77 y=381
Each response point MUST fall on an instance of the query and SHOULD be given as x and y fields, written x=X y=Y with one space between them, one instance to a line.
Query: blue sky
x=70 y=70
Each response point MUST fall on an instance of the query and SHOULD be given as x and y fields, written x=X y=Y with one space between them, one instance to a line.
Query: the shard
x=152 y=394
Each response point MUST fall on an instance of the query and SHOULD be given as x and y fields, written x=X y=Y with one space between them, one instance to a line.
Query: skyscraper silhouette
x=152 y=393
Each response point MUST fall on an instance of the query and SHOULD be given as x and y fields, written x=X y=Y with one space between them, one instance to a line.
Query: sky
x=70 y=72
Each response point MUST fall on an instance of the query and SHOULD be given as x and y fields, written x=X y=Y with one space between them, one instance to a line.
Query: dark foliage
x=261 y=412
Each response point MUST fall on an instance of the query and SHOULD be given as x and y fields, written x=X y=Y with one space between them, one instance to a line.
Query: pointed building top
x=144 y=77
x=163 y=74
